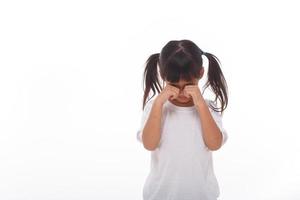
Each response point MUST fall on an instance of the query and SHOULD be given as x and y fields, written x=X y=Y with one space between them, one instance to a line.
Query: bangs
x=177 y=71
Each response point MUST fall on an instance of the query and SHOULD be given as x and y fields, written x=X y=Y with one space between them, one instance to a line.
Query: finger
x=186 y=93
x=174 y=89
x=174 y=95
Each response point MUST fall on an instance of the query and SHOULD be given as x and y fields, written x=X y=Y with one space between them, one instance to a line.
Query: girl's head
x=180 y=62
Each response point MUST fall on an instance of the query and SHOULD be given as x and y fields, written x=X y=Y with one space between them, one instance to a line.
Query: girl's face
x=180 y=85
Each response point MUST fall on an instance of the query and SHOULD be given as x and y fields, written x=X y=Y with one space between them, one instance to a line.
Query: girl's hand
x=168 y=92
x=194 y=92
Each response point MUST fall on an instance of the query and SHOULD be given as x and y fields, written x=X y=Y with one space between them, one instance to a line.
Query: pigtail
x=151 y=77
x=217 y=81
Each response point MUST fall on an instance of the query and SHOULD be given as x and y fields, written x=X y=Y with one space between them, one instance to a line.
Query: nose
x=181 y=93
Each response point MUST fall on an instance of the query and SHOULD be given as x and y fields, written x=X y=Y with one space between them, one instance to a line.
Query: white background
x=71 y=94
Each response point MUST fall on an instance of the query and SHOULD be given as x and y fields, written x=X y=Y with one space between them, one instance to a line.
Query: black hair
x=182 y=59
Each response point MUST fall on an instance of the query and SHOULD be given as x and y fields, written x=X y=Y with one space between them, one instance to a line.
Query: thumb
x=173 y=96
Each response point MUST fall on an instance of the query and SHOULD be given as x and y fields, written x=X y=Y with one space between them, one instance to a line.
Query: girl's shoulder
x=148 y=104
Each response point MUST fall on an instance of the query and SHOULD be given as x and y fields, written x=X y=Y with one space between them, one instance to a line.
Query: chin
x=183 y=100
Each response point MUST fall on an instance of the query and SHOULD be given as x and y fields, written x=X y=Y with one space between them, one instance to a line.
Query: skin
x=182 y=98
x=182 y=93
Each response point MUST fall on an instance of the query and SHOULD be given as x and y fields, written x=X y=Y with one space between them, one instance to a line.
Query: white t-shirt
x=182 y=165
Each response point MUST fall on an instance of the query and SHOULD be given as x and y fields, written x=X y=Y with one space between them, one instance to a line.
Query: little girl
x=179 y=127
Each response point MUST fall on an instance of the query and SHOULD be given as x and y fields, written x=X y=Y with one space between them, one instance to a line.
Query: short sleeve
x=144 y=118
x=218 y=119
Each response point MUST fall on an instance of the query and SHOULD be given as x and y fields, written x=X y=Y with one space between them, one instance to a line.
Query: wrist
x=200 y=105
x=158 y=102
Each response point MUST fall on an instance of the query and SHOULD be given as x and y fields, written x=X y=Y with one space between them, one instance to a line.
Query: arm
x=151 y=131
x=211 y=133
